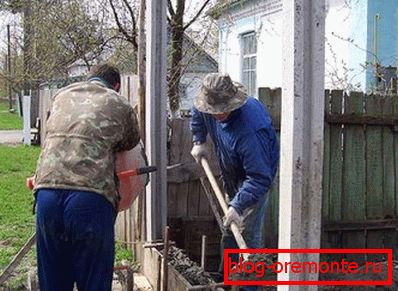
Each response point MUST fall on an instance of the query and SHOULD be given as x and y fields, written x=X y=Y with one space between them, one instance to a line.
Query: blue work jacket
x=247 y=149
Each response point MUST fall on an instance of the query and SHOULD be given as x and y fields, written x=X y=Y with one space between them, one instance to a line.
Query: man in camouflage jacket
x=76 y=185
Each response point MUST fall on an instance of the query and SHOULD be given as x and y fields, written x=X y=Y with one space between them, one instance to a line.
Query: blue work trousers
x=75 y=240
x=252 y=229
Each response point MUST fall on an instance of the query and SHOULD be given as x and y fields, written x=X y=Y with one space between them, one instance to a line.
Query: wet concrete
x=191 y=271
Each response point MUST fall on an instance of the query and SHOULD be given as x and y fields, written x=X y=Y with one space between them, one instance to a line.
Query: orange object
x=131 y=183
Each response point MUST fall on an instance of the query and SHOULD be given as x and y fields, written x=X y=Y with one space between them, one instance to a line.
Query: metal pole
x=203 y=253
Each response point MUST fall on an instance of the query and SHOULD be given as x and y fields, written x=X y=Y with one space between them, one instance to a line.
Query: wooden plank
x=388 y=161
x=217 y=214
x=336 y=166
x=193 y=198
x=172 y=200
x=357 y=119
x=375 y=240
x=182 y=199
x=395 y=110
x=326 y=162
x=374 y=161
x=361 y=225
x=204 y=206
x=354 y=163
x=390 y=241
x=17 y=259
x=326 y=172
x=354 y=175
x=354 y=239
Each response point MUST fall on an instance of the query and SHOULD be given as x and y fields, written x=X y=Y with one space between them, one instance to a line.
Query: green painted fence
x=360 y=173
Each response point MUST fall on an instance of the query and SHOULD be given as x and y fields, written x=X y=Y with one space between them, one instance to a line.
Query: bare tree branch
x=170 y=8
x=132 y=17
x=128 y=37
x=197 y=15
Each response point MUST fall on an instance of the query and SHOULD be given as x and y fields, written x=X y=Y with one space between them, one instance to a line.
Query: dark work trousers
x=252 y=229
x=75 y=240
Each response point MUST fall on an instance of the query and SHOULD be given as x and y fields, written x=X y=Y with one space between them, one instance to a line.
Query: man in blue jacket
x=248 y=152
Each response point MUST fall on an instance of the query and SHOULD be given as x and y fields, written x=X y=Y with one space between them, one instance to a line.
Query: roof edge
x=222 y=6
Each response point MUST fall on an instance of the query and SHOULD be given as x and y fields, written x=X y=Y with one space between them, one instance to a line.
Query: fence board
x=204 y=206
x=374 y=161
x=193 y=198
x=375 y=239
x=354 y=162
x=326 y=161
x=354 y=172
x=388 y=162
x=336 y=143
x=396 y=157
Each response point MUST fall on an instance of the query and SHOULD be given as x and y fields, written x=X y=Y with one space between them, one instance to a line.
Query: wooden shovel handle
x=220 y=197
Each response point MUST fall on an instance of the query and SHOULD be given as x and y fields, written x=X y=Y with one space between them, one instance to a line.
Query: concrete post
x=156 y=117
x=301 y=133
x=26 y=119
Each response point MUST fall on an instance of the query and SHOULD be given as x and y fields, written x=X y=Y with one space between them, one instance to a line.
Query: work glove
x=232 y=216
x=199 y=151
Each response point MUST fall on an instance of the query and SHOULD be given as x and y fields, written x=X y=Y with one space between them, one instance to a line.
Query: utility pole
x=9 y=68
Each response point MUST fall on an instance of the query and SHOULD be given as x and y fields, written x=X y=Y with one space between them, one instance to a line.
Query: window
x=249 y=62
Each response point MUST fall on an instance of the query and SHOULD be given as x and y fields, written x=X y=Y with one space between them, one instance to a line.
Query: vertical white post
x=301 y=133
x=156 y=117
x=26 y=119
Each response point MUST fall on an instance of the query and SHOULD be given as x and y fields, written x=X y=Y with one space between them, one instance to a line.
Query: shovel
x=220 y=197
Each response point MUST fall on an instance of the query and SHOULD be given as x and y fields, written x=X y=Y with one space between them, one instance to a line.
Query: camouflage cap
x=220 y=95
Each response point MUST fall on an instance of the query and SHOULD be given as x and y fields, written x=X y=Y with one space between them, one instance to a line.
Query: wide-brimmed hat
x=220 y=95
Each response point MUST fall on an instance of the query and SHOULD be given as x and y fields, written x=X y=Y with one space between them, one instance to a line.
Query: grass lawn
x=16 y=218
x=9 y=120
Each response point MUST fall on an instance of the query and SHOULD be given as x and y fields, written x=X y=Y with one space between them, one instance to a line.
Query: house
x=197 y=63
x=360 y=36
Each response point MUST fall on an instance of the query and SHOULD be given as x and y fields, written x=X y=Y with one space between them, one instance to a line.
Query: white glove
x=232 y=216
x=199 y=151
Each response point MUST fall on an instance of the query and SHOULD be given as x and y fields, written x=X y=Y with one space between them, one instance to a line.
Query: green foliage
x=9 y=120
x=122 y=253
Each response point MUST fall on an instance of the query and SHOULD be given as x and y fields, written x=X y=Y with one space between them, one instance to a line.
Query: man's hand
x=232 y=216
x=199 y=151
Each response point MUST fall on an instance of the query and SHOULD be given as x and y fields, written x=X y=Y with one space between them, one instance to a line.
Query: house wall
x=348 y=40
x=267 y=26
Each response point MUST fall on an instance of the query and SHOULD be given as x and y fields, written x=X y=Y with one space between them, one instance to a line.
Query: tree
x=177 y=29
x=125 y=15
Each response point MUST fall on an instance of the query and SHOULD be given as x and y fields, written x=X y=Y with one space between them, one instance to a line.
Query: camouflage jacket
x=87 y=125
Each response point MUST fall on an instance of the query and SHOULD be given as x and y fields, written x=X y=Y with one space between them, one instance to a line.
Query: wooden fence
x=360 y=175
